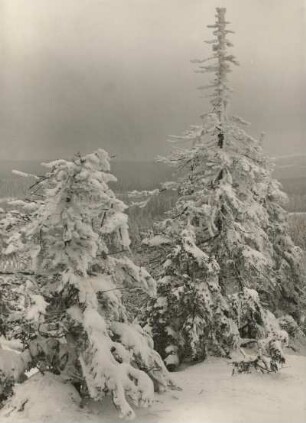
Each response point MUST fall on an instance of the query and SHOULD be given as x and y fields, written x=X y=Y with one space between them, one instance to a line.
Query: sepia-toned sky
x=76 y=75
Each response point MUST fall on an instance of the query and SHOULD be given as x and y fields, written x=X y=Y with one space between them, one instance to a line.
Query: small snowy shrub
x=190 y=317
x=259 y=329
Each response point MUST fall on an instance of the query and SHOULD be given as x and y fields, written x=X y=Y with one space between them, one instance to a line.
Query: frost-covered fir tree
x=80 y=329
x=232 y=209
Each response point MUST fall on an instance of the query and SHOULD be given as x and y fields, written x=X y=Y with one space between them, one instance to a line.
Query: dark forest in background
x=289 y=170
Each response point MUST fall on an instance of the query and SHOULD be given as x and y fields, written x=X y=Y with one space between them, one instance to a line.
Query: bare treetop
x=220 y=66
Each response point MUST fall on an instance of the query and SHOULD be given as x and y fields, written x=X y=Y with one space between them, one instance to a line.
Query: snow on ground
x=210 y=395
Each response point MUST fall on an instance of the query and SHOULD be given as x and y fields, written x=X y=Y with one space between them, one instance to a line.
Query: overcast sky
x=76 y=75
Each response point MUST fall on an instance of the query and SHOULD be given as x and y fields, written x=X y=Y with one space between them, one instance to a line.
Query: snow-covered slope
x=209 y=395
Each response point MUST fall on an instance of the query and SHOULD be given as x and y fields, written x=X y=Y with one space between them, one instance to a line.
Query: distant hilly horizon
x=290 y=170
x=130 y=174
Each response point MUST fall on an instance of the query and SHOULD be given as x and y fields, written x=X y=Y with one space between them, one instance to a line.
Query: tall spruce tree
x=230 y=207
x=76 y=323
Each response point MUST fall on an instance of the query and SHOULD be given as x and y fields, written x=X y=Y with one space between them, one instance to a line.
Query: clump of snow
x=137 y=341
x=156 y=241
x=24 y=174
x=44 y=398
x=11 y=364
x=38 y=308
x=10 y=344
x=189 y=245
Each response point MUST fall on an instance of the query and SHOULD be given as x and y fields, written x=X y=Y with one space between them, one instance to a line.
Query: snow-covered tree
x=229 y=201
x=230 y=182
x=80 y=244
